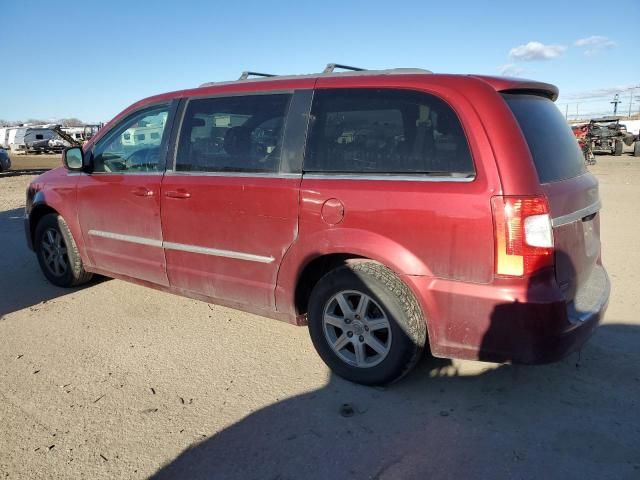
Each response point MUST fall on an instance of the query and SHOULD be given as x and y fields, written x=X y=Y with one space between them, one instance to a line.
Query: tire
x=617 y=149
x=398 y=345
x=58 y=254
x=636 y=148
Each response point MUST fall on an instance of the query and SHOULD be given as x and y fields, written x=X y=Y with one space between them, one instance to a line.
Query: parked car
x=5 y=160
x=391 y=211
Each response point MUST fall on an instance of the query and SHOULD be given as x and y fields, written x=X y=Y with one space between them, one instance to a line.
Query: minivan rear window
x=553 y=146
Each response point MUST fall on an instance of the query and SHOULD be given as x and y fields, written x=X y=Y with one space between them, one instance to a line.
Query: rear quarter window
x=386 y=131
x=553 y=146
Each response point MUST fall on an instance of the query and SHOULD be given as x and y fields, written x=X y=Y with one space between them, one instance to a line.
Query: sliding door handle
x=179 y=193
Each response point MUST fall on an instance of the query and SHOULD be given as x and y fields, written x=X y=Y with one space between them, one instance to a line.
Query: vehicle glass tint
x=376 y=131
x=134 y=145
x=555 y=151
x=232 y=134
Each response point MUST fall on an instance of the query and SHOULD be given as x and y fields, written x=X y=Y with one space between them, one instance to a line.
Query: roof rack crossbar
x=247 y=74
x=332 y=66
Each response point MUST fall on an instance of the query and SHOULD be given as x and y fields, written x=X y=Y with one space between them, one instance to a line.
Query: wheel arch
x=38 y=211
x=303 y=264
x=314 y=270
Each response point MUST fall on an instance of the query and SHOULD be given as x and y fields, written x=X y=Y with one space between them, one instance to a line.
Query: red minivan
x=390 y=211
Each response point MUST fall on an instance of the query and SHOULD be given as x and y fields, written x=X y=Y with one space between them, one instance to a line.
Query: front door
x=229 y=207
x=119 y=202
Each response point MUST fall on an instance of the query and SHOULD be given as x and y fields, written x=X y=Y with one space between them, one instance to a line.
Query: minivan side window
x=134 y=145
x=386 y=131
x=232 y=134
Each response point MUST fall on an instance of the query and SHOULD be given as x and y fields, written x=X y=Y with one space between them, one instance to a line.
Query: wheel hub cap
x=357 y=329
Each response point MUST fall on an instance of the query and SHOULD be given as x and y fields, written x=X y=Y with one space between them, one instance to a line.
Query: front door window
x=133 y=146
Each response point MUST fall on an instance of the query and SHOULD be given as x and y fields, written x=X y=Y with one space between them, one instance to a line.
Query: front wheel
x=57 y=253
x=366 y=324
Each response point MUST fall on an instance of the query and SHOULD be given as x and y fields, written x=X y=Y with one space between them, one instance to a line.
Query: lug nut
x=347 y=321
x=349 y=334
x=357 y=317
x=361 y=338
x=366 y=329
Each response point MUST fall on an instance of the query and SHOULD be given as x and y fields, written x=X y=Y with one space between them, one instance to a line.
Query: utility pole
x=616 y=101
x=566 y=111
x=630 y=102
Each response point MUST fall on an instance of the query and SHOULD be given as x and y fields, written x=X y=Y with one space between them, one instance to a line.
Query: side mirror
x=73 y=159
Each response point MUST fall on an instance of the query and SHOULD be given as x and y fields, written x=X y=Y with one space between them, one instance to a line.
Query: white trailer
x=4 y=137
x=16 y=139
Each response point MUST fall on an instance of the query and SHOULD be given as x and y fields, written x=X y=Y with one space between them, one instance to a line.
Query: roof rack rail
x=332 y=66
x=247 y=74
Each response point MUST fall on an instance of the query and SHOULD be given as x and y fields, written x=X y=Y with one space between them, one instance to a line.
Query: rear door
x=230 y=201
x=573 y=197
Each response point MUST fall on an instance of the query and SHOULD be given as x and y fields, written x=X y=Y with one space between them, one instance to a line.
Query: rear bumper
x=508 y=321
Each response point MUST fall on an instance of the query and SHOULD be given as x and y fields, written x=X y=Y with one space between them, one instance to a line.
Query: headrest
x=197 y=122
x=237 y=141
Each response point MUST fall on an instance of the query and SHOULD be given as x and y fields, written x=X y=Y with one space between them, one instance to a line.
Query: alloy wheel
x=357 y=329
x=54 y=252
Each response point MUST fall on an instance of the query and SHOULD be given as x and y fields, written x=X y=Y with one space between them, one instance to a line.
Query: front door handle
x=142 y=192
x=179 y=193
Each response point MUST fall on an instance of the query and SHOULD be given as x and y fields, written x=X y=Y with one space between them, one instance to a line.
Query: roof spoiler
x=535 y=88
x=521 y=85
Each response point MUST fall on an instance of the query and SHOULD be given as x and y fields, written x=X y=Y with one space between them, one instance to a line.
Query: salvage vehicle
x=391 y=211
x=5 y=160
x=580 y=132
x=607 y=135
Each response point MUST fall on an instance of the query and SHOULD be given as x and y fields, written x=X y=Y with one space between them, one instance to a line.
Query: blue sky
x=92 y=59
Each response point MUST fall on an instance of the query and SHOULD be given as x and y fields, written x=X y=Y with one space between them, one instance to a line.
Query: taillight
x=523 y=235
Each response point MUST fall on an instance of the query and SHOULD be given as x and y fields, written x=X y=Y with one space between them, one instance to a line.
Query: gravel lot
x=34 y=162
x=118 y=381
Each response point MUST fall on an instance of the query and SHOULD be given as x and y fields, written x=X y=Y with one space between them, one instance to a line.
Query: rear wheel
x=366 y=324
x=57 y=253
x=636 y=148
x=617 y=148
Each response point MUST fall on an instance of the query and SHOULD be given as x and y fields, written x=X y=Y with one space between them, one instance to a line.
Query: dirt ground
x=118 y=381
x=35 y=162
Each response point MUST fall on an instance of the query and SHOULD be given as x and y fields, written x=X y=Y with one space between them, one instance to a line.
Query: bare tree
x=71 y=122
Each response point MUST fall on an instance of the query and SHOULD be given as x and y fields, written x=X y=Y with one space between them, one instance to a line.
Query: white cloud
x=510 y=70
x=594 y=44
x=536 y=51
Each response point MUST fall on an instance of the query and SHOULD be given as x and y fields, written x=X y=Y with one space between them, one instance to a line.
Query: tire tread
x=416 y=325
